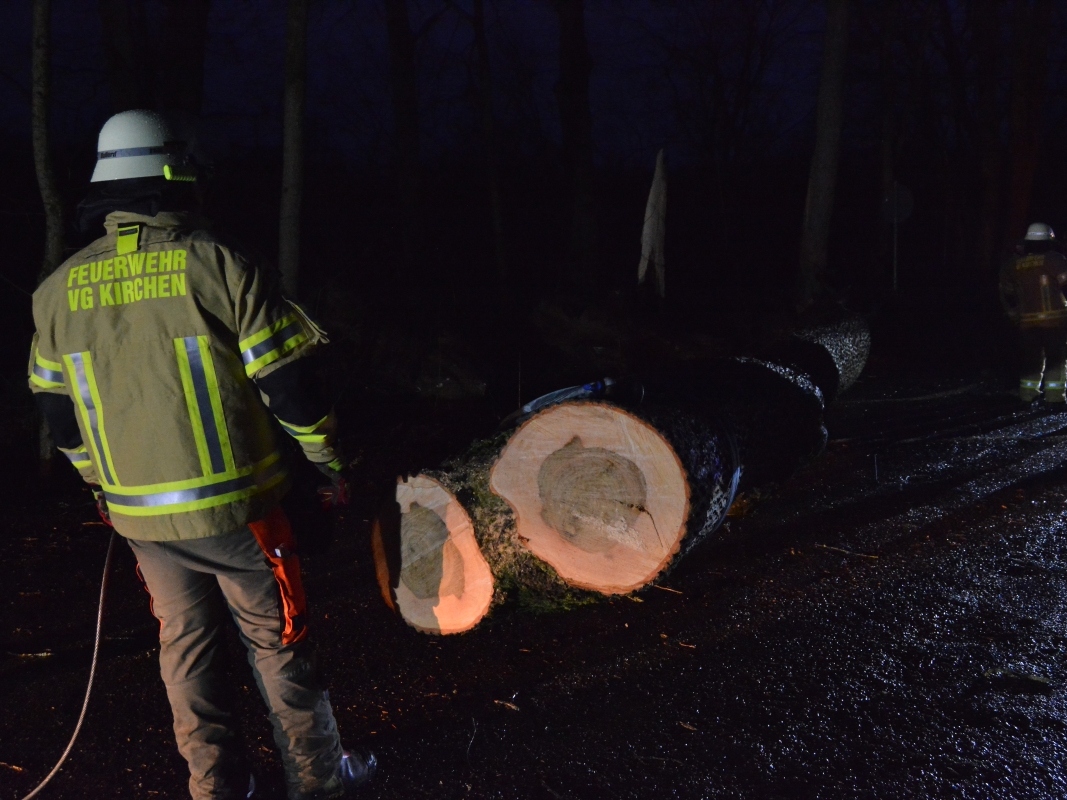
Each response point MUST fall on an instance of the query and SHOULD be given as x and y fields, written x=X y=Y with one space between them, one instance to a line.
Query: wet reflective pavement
x=888 y=623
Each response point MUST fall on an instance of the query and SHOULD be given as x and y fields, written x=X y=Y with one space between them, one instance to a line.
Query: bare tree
x=576 y=121
x=822 y=179
x=46 y=174
x=293 y=144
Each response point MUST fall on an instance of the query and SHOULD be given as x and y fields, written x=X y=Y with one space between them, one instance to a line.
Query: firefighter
x=1031 y=290
x=159 y=354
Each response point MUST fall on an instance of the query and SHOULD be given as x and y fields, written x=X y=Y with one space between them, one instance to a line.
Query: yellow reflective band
x=307 y=433
x=198 y=493
x=80 y=366
x=191 y=403
x=1027 y=384
x=79 y=457
x=202 y=398
x=266 y=333
x=215 y=396
x=127 y=239
x=46 y=374
x=268 y=345
x=45 y=384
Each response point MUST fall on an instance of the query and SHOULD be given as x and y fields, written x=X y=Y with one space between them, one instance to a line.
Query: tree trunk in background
x=404 y=80
x=1028 y=89
x=576 y=121
x=46 y=174
x=819 y=205
x=293 y=145
x=983 y=15
x=492 y=157
x=124 y=42
x=181 y=57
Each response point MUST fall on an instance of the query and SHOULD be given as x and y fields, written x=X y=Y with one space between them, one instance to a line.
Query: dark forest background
x=475 y=172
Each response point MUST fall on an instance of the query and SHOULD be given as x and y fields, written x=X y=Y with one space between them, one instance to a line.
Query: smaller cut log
x=429 y=566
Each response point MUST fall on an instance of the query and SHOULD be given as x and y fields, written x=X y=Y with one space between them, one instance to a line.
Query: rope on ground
x=92 y=672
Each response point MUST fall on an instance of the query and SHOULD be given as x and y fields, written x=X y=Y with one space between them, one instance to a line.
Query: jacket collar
x=167 y=220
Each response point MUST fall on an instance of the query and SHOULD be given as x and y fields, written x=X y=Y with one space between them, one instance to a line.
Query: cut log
x=585 y=497
x=590 y=498
x=427 y=560
x=607 y=498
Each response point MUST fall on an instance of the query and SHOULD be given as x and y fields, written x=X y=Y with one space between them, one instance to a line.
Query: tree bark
x=1028 y=90
x=405 y=90
x=819 y=205
x=46 y=176
x=293 y=145
x=576 y=121
x=129 y=72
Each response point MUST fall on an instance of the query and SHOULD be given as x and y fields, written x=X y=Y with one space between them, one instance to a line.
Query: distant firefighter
x=1031 y=290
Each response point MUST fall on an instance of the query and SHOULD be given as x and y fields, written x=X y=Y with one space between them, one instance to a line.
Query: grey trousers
x=252 y=574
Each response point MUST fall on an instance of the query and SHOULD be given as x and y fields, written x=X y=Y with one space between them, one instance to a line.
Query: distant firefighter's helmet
x=139 y=144
x=1039 y=232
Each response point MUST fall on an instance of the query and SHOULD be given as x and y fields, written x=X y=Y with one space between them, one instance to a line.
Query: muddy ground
x=889 y=623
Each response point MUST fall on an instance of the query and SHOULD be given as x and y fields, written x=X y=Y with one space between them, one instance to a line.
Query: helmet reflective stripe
x=136 y=144
x=170 y=147
x=1039 y=232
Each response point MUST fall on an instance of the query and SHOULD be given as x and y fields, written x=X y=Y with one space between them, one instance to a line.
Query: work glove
x=101 y=505
x=338 y=493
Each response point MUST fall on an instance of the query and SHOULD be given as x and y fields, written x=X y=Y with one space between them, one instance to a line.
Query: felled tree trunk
x=585 y=497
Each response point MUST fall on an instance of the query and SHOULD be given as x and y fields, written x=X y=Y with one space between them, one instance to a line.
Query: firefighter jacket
x=156 y=332
x=1031 y=290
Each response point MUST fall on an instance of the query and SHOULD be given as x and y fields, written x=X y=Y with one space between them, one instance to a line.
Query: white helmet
x=1039 y=232
x=139 y=144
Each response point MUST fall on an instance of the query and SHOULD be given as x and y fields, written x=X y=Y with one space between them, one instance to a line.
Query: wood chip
x=845 y=552
x=506 y=704
x=11 y=766
x=666 y=589
x=687 y=726
x=686 y=644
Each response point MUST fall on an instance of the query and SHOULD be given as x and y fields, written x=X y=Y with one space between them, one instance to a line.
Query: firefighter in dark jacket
x=159 y=356
x=1031 y=290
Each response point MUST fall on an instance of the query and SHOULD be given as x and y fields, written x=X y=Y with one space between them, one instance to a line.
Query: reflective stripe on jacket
x=155 y=331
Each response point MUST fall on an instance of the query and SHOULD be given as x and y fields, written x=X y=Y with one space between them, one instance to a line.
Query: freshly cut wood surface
x=598 y=493
x=429 y=566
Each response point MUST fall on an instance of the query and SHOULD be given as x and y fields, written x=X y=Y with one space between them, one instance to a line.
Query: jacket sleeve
x=48 y=384
x=292 y=395
x=272 y=331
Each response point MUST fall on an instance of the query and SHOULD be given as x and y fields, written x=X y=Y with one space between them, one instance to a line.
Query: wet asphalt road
x=889 y=623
